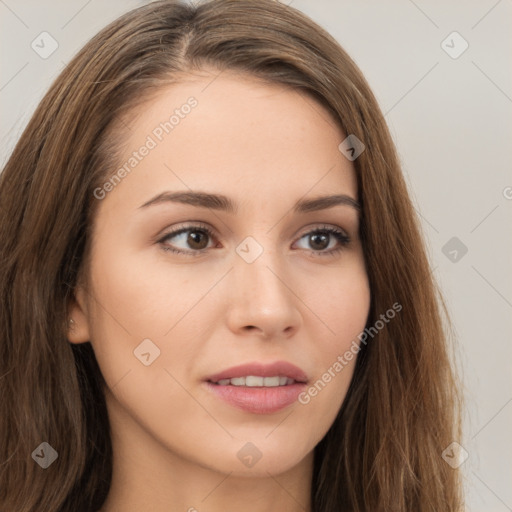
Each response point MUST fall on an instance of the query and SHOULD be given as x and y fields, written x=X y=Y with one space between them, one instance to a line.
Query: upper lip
x=279 y=368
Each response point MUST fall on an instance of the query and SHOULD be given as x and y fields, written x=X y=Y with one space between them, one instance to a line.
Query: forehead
x=233 y=134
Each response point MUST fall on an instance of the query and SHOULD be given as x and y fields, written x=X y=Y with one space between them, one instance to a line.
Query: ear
x=78 y=328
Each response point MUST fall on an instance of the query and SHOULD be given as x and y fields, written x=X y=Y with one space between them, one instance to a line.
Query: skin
x=175 y=443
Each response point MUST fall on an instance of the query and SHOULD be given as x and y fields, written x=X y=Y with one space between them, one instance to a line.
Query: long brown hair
x=383 y=451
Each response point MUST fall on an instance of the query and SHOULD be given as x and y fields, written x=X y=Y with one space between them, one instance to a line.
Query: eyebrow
x=223 y=203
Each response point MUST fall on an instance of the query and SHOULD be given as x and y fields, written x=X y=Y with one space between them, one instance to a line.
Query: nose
x=262 y=300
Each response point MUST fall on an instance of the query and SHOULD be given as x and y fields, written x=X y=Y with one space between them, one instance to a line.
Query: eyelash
x=342 y=238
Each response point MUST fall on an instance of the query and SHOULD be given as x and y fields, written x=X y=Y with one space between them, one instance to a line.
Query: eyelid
x=321 y=226
x=185 y=226
x=199 y=224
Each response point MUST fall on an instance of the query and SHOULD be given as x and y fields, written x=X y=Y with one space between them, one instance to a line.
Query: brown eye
x=197 y=239
x=193 y=239
x=320 y=239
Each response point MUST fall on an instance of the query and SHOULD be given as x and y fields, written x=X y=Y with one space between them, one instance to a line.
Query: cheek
x=139 y=296
x=137 y=299
x=341 y=303
x=342 y=306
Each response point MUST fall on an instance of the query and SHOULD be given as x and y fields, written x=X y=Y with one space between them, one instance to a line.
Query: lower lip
x=258 y=400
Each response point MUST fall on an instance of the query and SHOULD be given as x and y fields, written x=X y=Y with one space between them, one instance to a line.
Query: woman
x=289 y=352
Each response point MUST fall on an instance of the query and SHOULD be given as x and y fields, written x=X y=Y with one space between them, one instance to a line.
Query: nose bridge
x=262 y=297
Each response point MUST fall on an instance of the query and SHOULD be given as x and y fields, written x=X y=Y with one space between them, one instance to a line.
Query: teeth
x=271 y=381
x=255 y=381
x=252 y=381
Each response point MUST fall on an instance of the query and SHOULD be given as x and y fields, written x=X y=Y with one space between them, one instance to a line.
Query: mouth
x=258 y=388
x=279 y=373
x=254 y=381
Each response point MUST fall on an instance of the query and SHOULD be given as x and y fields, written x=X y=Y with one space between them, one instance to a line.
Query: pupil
x=194 y=238
x=316 y=236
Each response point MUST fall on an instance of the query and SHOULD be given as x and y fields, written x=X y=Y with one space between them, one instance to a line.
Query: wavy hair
x=403 y=407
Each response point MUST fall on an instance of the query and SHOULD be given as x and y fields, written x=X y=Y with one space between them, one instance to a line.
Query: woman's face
x=262 y=282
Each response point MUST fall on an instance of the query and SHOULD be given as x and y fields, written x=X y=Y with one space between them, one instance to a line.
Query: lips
x=277 y=369
x=256 y=387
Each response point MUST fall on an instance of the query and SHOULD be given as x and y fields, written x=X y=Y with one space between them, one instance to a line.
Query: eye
x=321 y=238
x=196 y=237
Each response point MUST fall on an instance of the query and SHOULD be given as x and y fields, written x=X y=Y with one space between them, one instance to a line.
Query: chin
x=259 y=457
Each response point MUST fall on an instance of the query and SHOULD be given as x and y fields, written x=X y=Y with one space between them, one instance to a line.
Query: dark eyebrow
x=324 y=202
x=220 y=202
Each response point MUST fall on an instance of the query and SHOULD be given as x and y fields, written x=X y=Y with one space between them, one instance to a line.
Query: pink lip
x=259 y=400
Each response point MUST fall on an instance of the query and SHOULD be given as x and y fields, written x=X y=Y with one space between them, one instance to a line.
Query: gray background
x=450 y=118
